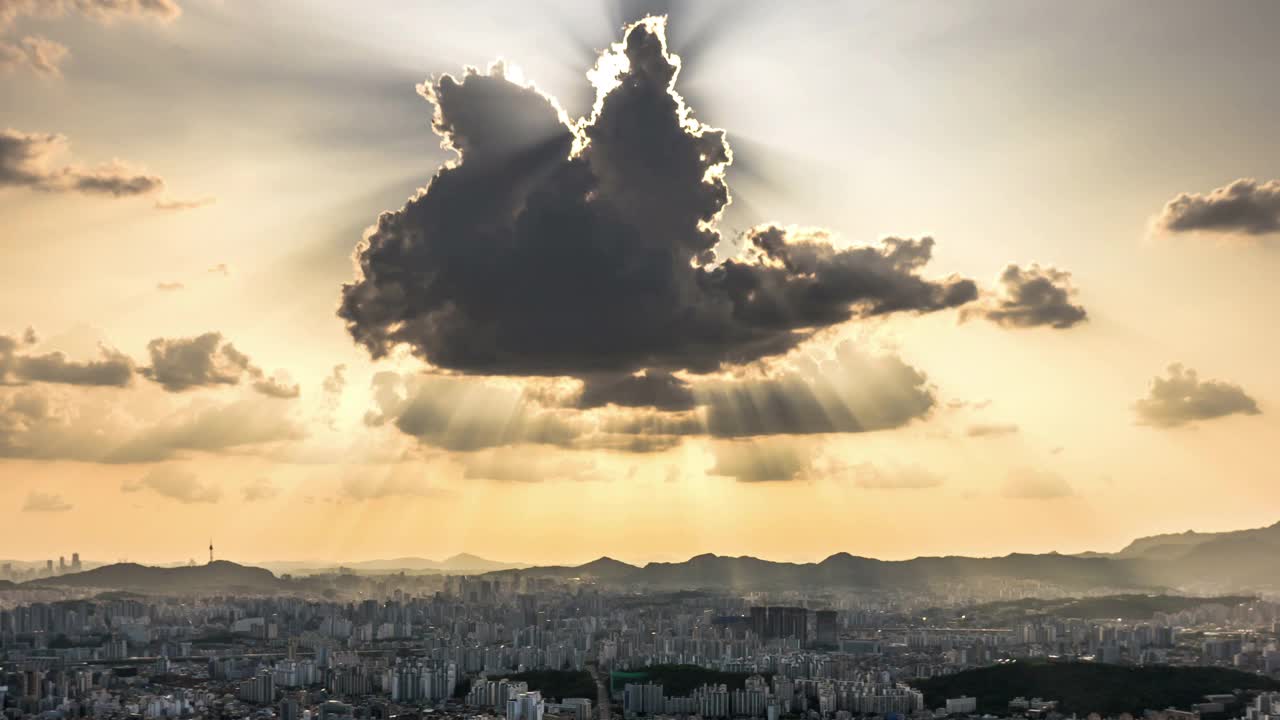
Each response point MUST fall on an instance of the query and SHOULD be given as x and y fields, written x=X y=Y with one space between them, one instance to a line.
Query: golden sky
x=894 y=279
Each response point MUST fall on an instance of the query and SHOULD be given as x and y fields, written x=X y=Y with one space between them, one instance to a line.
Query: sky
x=545 y=282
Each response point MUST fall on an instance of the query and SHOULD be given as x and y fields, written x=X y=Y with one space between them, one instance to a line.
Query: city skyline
x=645 y=281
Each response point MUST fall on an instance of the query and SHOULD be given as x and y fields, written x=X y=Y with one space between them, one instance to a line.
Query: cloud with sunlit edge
x=590 y=249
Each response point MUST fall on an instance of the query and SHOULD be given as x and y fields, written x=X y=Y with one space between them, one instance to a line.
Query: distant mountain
x=461 y=563
x=1179 y=544
x=604 y=568
x=219 y=576
x=466 y=561
x=1245 y=560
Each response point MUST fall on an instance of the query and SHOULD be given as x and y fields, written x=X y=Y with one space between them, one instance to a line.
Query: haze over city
x=892 y=279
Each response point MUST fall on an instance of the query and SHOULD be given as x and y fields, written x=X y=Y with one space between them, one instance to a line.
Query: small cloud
x=29 y=336
x=113 y=369
x=259 y=489
x=175 y=484
x=1244 y=207
x=1183 y=398
x=278 y=387
x=101 y=11
x=336 y=380
x=221 y=269
x=181 y=364
x=968 y=404
x=355 y=488
x=1032 y=484
x=174 y=205
x=36 y=53
x=42 y=502
x=873 y=477
x=525 y=465
x=757 y=461
x=1031 y=297
x=30 y=160
x=991 y=429
x=169 y=286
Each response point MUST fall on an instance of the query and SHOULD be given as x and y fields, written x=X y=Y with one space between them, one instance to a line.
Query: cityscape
x=221 y=639
x=639 y=360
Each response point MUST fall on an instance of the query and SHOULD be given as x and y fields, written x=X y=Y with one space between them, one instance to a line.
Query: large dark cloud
x=180 y=364
x=1184 y=398
x=113 y=369
x=1033 y=297
x=1246 y=207
x=588 y=250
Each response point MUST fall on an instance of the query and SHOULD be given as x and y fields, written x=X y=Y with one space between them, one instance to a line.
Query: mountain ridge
x=1237 y=560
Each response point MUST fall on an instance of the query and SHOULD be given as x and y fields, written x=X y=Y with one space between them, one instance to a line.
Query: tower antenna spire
x=210 y=551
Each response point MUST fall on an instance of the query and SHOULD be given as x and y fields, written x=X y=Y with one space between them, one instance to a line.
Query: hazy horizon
x=652 y=278
x=638 y=561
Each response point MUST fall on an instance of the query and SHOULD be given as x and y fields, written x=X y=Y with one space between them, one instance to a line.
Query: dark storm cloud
x=1246 y=207
x=114 y=369
x=1033 y=297
x=180 y=364
x=588 y=251
x=1183 y=398
x=28 y=160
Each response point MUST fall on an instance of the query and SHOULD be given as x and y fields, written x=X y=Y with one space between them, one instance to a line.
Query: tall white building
x=526 y=705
